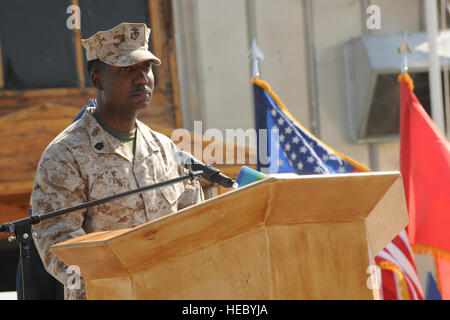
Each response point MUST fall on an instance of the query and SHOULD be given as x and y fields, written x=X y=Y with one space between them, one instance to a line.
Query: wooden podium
x=310 y=237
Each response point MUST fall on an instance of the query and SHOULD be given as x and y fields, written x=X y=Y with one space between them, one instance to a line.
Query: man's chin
x=140 y=105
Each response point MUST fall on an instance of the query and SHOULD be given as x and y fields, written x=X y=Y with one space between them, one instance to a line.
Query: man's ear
x=96 y=80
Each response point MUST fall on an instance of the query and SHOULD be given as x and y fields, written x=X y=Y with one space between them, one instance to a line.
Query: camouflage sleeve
x=193 y=192
x=57 y=185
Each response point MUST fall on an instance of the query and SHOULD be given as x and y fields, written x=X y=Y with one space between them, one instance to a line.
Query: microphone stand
x=22 y=228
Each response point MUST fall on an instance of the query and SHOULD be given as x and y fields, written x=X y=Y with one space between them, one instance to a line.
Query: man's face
x=127 y=89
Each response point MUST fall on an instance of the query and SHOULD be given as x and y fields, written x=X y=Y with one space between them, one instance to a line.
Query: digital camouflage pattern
x=84 y=163
x=121 y=46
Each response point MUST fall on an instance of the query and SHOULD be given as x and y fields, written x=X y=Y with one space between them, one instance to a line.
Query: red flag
x=443 y=271
x=425 y=167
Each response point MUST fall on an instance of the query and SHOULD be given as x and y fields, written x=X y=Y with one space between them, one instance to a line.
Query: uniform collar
x=145 y=143
x=103 y=142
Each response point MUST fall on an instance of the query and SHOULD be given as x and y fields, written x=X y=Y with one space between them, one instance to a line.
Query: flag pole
x=434 y=70
x=404 y=49
x=255 y=55
x=444 y=8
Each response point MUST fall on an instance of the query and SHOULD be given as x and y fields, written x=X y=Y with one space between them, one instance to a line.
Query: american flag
x=292 y=148
x=398 y=271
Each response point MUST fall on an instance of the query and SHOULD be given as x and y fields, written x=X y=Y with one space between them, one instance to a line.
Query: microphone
x=210 y=173
x=248 y=175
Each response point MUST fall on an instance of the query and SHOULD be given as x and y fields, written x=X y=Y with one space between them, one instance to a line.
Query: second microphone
x=210 y=173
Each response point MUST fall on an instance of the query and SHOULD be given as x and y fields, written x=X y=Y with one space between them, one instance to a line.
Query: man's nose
x=142 y=77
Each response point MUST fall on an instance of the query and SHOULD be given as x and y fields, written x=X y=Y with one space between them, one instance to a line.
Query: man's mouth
x=143 y=93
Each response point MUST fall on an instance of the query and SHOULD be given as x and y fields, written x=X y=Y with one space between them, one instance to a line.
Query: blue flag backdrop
x=291 y=147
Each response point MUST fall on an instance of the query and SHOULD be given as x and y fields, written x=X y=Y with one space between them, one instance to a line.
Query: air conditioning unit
x=372 y=65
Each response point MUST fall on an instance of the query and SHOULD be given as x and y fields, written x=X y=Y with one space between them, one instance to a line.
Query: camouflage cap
x=121 y=46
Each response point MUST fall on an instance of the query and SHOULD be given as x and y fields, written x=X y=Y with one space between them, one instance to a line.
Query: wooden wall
x=31 y=119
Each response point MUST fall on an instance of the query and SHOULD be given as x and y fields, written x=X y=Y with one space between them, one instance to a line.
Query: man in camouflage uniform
x=108 y=151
